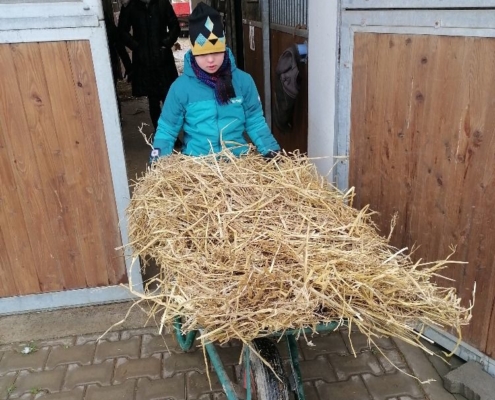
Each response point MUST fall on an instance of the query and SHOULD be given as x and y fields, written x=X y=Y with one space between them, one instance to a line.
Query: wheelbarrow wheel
x=265 y=385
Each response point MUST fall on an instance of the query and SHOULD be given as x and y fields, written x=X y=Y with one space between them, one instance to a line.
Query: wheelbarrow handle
x=185 y=341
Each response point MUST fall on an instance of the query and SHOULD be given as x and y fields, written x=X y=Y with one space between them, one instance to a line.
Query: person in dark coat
x=155 y=29
x=116 y=48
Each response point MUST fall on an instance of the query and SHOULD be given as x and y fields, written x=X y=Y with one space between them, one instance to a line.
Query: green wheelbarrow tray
x=261 y=381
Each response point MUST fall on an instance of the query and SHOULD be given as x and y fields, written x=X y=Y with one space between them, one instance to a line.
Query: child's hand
x=155 y=155
x=271 y=154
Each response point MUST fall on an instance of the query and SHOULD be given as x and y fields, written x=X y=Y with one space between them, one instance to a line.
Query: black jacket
x=155 y=29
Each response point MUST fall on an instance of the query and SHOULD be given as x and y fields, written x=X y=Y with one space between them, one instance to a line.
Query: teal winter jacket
x=190 y=105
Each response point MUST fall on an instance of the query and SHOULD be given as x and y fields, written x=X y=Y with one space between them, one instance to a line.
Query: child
x=213 y=101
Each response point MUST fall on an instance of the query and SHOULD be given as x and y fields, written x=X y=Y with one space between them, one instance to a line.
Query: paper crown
x=206 y=30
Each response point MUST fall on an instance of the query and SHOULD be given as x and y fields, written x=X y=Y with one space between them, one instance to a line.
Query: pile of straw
x=247 y=247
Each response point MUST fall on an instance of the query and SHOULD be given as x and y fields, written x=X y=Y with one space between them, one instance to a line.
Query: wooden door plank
x=392 y=132
x=97 y=153
x=463 y=214
x=16 y=258
x=360 y=82
x=410 y=133
x=70 y=131
x=44 y=240
x=10 y=213
x=49 y=159
x=422 y=136
x=8 y=286
x=485 y=243
x=448 y=99
x=30 y=209
x=478 y=185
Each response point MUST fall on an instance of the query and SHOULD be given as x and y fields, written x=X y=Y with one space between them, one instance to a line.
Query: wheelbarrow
x=259 y=380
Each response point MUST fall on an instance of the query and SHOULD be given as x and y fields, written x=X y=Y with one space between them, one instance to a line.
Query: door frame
x=55 y=20
x=412 y=4
x=479 y=23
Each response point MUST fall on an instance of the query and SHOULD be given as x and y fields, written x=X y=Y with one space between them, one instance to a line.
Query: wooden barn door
x=58 y=219
x=421 y=142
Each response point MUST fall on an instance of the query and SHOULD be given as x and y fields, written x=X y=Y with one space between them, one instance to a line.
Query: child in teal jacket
x=213 y=101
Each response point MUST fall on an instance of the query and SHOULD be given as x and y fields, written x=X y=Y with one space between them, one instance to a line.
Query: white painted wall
x=323 y=23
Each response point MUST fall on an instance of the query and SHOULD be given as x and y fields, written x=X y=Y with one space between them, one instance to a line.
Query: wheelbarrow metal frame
x=186 y=341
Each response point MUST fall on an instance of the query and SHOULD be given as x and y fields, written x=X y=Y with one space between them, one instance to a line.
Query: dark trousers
x=155 y=109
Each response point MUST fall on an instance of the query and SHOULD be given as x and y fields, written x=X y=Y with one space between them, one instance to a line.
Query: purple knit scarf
x=220 y=81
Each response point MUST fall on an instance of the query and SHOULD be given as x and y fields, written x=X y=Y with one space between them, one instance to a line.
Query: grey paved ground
x=139 y=364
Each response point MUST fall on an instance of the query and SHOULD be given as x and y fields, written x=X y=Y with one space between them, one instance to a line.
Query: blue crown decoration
x=209 y=24
x=201 y=40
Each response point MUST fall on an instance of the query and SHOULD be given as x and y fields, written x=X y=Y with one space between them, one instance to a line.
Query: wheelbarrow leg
x=247 y=368
x=220 y=371
x=296 y=370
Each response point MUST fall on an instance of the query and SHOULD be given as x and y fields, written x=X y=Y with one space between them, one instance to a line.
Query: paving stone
x=390 y=360
x=471 y=381
x=50 y=381
x=27 y=396
x=440 y=362
x=8 y=347
x=71 y=355
x=392 y=385
x=441 y=365
x=151 y=330
x=173 y=388
x=360 y=342
x=109 y=337
x=283 y=348
x=175 y=363
x=150 y=367
x=353 y=389
x=64 y=342
x=346 y=366
x=89 y=374
x=14 y=361
x=6 y=382
x=159 y=344
x=76 y=394
x=310 y=392
x=123 y=348
x=421 y=367
x=117 y=392
x=331 y=343
x=229 y=355
x=198 y=385
x=319 y=368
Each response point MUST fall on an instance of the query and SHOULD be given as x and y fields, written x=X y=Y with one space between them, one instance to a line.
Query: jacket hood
x=188 y=68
